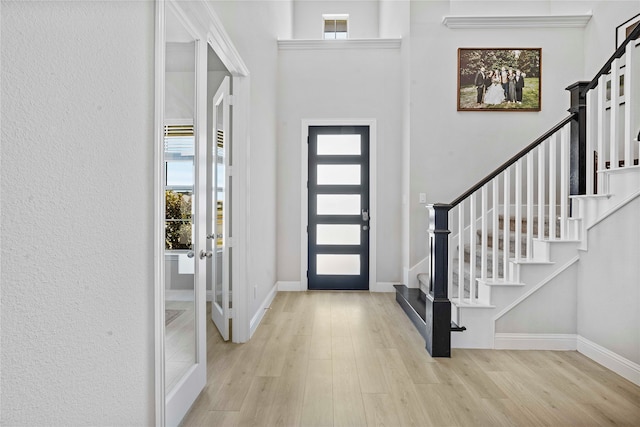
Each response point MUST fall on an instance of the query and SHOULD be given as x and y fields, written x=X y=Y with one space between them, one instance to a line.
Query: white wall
x=77 y=242
x=254 y=27
x=308 y=22
x=451 y=150
x=608 y=287
x=340 y=84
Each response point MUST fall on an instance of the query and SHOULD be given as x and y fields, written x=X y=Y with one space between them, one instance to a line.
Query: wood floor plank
x=348 y=407
x=317 y=407
x=380 y=410
x=299 y=369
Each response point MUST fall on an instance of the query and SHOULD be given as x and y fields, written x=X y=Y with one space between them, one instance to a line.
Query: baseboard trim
x=610 y=360
x=257 y=318
x=508 y=341
x=289 y=286
x=383 y=287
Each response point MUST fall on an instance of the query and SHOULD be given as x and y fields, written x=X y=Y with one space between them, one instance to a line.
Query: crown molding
x=497 y=22
x=300 y=44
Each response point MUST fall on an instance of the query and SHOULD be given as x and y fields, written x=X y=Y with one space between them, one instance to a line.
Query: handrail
x=514 y=159
x=617 y=54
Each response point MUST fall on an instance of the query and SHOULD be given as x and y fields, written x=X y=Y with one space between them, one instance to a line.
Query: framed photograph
x=499 y=79
x=623 y=30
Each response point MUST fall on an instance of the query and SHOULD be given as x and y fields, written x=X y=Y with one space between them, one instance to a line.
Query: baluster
x=553 y=170
x=506 y=222
x=541 y=193
x=629 y=106
x=450 y=255
x=601 y=110
x=614 y=113
x=472 y=248
x=564 y=179
x=518 y=232
x=461 y=251
x=496 y=230
x=592 y=140
x=529 y=214
x=483 y=234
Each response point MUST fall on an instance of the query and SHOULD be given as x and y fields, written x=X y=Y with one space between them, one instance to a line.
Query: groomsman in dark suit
x=479 y=82
x=519 y=79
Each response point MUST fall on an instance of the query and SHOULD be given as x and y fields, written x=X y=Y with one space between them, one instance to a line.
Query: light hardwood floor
x=354 y=359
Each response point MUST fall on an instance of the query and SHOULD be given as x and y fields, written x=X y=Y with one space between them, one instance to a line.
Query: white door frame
x=207 y=29
x=304 y=203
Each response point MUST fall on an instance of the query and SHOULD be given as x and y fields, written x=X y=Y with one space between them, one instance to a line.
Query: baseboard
x=178 y=295
x=266 y=303
x=383 y=287
x=564 y=342
x=610 y=360
x=289 y=286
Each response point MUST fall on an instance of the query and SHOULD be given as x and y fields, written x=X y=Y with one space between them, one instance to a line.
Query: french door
x=219 y=203
x=338 y=207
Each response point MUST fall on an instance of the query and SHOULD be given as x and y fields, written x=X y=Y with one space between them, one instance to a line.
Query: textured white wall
x=76 y=229
x=340 y=84
x=308 y=22
x=254 y=27
x=608 y=287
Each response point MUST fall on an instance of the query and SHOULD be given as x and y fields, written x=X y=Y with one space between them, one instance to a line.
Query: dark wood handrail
x=617 y=54
x=514 y=159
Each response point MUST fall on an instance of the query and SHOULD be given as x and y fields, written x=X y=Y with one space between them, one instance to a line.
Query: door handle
x=365 y=214
x=205 y=254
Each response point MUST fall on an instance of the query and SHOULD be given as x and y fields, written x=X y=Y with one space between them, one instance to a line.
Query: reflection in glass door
x=219 y=203
x=338 y=223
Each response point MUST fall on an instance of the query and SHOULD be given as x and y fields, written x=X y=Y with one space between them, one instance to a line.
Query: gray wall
x=77 y=242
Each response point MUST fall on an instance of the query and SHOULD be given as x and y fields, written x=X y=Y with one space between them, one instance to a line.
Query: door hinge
x=307 y=274
x=307 y=139
x=231 y=313
x=229 y=242
x=230 y=170
x=231 y=99
x=307 y=228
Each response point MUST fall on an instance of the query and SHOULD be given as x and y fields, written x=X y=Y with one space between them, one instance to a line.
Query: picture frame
x=623 y=30
x=526 y=75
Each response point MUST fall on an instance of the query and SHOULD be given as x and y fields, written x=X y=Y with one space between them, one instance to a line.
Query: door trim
x=304 y=207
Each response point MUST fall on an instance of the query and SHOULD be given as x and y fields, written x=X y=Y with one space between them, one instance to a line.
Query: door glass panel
x=180 y=193
x=348 y=265
x=332 y=145
x=338 y=174
x=338 y=204
x=338 y=234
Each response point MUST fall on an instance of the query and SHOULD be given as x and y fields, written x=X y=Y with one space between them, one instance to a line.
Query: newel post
x=438 y=306
x=578 y=150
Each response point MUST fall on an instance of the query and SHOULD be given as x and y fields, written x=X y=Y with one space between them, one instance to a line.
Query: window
x=336 y=27
x=179 y=178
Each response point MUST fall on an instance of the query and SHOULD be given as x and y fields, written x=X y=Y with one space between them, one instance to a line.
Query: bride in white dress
x=495 y=93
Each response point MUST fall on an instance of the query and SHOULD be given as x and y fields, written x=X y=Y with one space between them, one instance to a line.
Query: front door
x=338 y=223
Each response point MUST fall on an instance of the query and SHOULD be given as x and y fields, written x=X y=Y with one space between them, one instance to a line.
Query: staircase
x=523 y=226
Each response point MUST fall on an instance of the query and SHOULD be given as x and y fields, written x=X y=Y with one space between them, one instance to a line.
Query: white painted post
x=496 y=229
x=529 y=210
x=518 y=206
x=592 y=114
x=472 y=248
x=564 y=179
x=553 y=168
x=483 y=234
x=506 y=222
x=614 y=113
x=461 y=251
x=541 y=187
x=629 y=104
x=600 y=111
